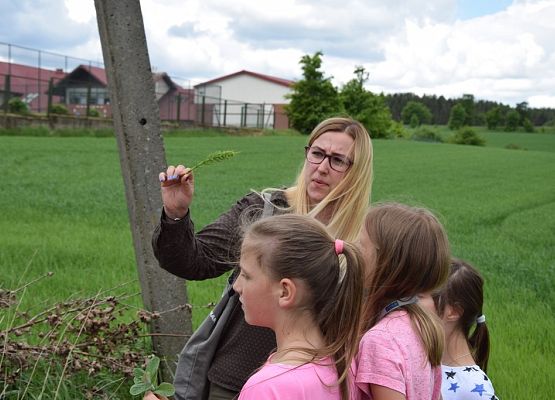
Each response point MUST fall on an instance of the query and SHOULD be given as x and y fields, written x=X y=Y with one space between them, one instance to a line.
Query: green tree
x=493 y=118
x=467 y=102
x=522 y=110
x=314 y=98
x=415 y=108
x=528 y=126
x=512 y=121
x=457 y=117
x=369 y=109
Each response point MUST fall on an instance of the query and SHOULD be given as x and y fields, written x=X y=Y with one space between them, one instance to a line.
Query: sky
x=494 y=49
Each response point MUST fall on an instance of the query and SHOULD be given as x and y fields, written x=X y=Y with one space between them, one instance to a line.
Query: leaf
x=138 y=372
x=139 y=388
x=137 y=379
x=152 y=369
x=165 y=389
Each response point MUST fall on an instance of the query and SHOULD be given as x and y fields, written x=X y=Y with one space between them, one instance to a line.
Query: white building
x=244 y=99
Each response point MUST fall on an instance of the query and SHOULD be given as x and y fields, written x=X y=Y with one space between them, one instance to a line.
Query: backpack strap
x=268 y=205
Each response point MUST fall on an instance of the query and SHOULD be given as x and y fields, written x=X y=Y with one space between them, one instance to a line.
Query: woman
x=333 y=186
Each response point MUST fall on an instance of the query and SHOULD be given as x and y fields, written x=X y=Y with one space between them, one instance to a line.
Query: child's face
x=368 y=249
x=256 y=289
x=426 y=301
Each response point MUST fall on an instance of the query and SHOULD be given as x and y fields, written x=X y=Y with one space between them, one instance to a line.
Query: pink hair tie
x=338 y=246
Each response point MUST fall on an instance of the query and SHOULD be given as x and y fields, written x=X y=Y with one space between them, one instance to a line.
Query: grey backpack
x=190 y=381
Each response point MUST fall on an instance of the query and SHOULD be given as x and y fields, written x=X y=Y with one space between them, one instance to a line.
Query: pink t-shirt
x=299 y=382
x=391 y=354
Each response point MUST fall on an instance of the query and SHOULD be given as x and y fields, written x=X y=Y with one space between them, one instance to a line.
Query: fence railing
x=41 y=80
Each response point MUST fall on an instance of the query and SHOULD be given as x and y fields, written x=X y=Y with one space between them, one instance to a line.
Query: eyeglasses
x=316 y=155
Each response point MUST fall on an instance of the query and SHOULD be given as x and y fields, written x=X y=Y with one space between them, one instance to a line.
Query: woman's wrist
x=176 y=215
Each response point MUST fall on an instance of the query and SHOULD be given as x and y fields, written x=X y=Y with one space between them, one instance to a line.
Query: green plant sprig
x=215 y=157
x=147 y=380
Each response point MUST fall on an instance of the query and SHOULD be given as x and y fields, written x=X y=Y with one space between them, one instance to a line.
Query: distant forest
x=440 y=107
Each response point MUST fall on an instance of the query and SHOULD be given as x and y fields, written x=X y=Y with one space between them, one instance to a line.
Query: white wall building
x=245 y=99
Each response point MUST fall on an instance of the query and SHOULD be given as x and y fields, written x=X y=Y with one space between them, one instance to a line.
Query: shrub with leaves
x=71 y=346
x=59 y=109
x=18 y=106
x=93 y=112
x=146 y=380
x=426 y=135
x=468 y=136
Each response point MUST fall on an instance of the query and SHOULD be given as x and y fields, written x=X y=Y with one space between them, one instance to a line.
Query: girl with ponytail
x=465 y=359
x=407 y=253
x=307 y=287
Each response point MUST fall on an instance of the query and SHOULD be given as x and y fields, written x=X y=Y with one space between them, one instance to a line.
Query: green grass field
x=63 y=210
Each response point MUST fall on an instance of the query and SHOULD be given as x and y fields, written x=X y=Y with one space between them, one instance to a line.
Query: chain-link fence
x=47 y=82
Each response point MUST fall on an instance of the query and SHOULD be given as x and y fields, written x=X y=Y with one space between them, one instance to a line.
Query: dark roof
x=273 y=79
x=81 y=74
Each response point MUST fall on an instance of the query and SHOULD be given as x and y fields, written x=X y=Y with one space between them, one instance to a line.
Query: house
x=245 y=99
x=84 y=82
x=174 y=101
x=87 y=83
x=28 y=83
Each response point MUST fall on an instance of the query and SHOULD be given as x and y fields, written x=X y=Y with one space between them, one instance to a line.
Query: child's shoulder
x=392 y=330
x=291 y=381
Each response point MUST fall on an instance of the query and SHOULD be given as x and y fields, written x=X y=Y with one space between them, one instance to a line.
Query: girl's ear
x=287 y=293
x=452 y=313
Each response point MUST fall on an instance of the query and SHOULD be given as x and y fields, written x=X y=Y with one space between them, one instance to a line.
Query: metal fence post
x=178 y=117
x=225 y=112
x=202 y=110
x=88 y=99
x=7 y=90
x=50 y=89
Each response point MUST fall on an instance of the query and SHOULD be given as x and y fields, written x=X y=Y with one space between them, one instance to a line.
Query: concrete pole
x=137 y=123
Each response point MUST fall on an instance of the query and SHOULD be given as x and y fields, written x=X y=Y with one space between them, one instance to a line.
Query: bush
x=18 y=106
x=397 y=130
x=468 y=136
x=426 y=135
x=93 y=112
x=512 y=146
x=59 y=109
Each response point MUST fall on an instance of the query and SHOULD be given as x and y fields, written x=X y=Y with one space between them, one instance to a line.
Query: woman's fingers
x=175 y=174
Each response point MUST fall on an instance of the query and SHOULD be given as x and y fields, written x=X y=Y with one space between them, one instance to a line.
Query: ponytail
x=299 y=247
x=479 y=343
x=340 y=320
x=465 y=290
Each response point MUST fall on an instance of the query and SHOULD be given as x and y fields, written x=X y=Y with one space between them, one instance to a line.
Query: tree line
x=314 y=98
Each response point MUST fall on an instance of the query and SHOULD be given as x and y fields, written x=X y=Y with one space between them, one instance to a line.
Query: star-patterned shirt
x=466 y=383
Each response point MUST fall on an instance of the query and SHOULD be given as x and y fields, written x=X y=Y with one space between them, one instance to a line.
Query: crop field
x=63 y=210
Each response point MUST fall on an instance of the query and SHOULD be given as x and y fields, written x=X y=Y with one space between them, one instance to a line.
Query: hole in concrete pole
x=142 y=121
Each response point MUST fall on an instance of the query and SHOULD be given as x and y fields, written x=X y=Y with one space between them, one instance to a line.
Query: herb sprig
x=215 y=157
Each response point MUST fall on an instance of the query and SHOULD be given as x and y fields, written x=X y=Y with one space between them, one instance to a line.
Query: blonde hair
x=300 y=247
x=412 y=257
x=351 y=197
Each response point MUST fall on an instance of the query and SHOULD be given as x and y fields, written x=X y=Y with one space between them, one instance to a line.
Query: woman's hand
x=177 y=185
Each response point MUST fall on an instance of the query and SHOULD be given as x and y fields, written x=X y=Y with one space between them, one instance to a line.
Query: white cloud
x=409 y=45
x=500 y=56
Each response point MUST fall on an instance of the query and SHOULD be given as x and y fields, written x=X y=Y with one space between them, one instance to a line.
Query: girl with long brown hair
x=306 y=286
x=407 y=253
